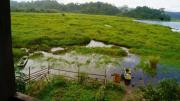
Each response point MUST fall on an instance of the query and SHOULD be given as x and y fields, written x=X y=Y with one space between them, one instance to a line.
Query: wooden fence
x=45 y=72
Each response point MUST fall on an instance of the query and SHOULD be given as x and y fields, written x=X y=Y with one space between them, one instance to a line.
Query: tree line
x=89 y=8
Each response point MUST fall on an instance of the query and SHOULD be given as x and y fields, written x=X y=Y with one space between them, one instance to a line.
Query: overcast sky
x=169 y=5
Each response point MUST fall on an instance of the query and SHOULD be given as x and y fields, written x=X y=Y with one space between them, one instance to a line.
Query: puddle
x=175 y=26
x=97 y=64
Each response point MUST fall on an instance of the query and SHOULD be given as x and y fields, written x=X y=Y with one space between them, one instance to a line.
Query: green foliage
x=35 y=87
x=166 y=90
x=117 y=52
x=115 y=86
x=54 y=6
x=145 y=66
x=18 y=53
x=83 y=77
x=100 y=95
x=35 y=55
x=58 y=81
x=61 y=89
x=76 y=93
x=89 y=8
x=148 y=13
x=20 y=81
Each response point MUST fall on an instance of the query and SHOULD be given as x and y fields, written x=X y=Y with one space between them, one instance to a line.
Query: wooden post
x=48 y=68
x=105 y=77
x=7 y=75
x=78 y=73
x=29 y=75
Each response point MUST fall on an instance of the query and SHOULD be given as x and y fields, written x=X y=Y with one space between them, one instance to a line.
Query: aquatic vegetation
x=145 y=66
x=153 y=61
x=116 y=52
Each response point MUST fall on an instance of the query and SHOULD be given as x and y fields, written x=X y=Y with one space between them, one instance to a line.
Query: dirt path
x=128 y=93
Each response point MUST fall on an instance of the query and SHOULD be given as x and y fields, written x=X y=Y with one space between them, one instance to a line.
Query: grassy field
x=60 y=89
x=41 y=31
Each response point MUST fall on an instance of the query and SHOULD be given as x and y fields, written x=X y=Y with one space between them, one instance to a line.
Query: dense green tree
x=148 y=13
x=89 y=8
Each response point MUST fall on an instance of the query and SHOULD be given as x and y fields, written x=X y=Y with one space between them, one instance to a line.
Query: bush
x=115 y=86
x=100 y=95
x=35 y=87
x=20 y=82
x=166 y=90
x=18 y=53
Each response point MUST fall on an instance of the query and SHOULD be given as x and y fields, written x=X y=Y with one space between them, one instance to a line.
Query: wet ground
x=98 y=64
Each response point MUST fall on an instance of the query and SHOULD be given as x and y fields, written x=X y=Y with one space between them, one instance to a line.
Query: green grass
x=60 y=89
x=114 y=51
x=41 y=31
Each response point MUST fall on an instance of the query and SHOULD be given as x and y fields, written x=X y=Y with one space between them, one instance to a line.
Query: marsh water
x=174 y=25
x=97 y=64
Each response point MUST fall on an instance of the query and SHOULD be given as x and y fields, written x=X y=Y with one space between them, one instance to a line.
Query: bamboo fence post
x=78 y=73
x=48 y=69
x=29 y=76
x=105 y=77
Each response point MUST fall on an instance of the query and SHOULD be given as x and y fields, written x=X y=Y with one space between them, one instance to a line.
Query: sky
x=169 y=5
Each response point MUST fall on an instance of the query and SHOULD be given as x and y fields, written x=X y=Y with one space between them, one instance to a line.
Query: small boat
x=23 y=61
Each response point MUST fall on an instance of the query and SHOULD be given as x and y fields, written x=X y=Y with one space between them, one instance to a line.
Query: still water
x=174 y=25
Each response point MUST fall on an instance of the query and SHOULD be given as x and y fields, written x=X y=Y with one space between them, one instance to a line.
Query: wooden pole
x=78 y=73
x=7 y=75
x=105 y=77
x=48 y=68
x=29 y=76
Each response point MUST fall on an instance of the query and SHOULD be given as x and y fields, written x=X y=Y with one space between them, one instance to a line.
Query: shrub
x=18 y=53
x=35 y=87
x=100 y=95
x=166 y=90
x=63 y=14
x=115 y=86
x=20 y=82
x=59 y=81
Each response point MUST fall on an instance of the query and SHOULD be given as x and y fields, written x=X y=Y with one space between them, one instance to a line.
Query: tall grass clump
x=153 y=61
x=100 y=94
x=35 y=87
x=116 y=86
x=82 y=77
x=145 y=66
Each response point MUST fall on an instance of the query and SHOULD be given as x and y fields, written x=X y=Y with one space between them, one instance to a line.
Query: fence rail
x=43 y=73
